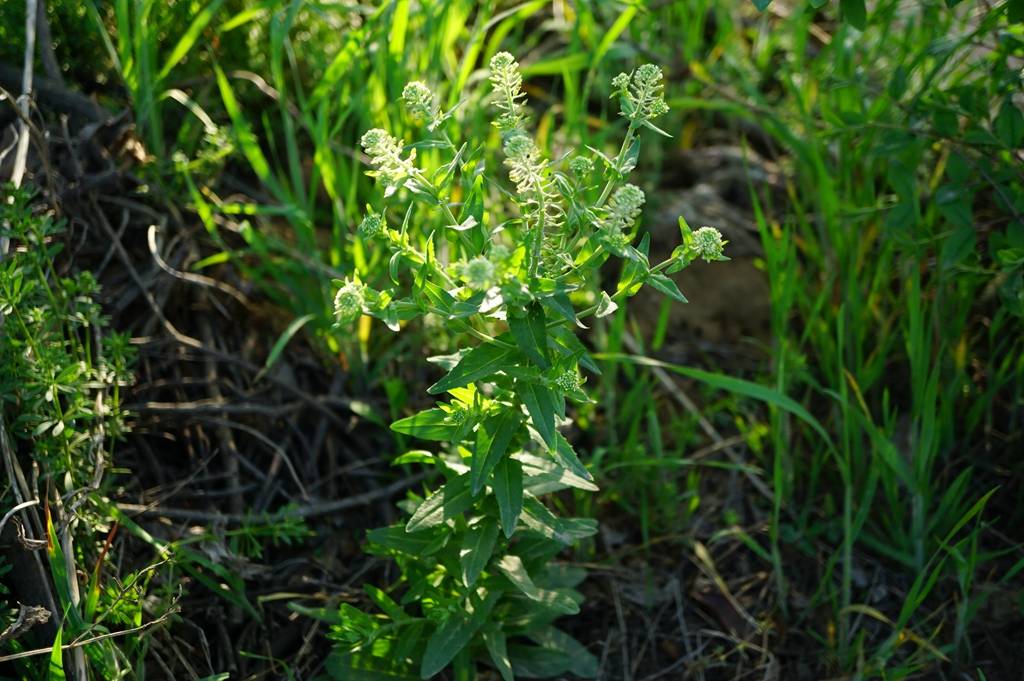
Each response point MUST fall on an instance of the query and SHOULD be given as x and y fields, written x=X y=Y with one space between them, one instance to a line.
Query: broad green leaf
x=540 y=403
x=564 y=454
x=667 y=286
x=560 y=304
x=386 y=603
x=452 y=636
x=542 y=476
x=512 y=567
x=583 y=663
x=493 y=440
x=508 y=492
x=396 y=538
x=540 y=519
x=498 y=650
x=480 y=362
x=1009 y=124
x=477 y=547
x=537 y=662
x=530 y=333
x=364 y=666
x=444 y=504
x=430 y=424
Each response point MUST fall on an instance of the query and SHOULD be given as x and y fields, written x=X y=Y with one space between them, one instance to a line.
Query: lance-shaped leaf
x=512 y=567
x=564 y=454
x=453 y=635
x=444 y=504
x=480 y=362
x=540 y=403
x=493 y=439
x=667 y=286
x=508 y=491
x=530 y=332
x=476 y=550
x=431 y=424
x=498 y=650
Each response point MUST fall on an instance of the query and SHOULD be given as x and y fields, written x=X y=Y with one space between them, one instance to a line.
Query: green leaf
x=582 y=661
x=452 y=636
x=564 y=454
x=477 y=547
x=496 y=647
x=444 y=504
x=540 y=403
x=530 y=333
x=189 y=38
x=55 y=671
x=493 y=439
x=560 y=304
x=537 y=662
x=1009 y=124
x=542 y=476
x=762 y=5
x=854 y=11
x=244 y=135
x=430 y=424
x=364 y=666
x=958 y=246
x=508 y=492
x=667 y=286
x=480 y=362
x=512 y=567
x=282 y=341
x=606 y=306
x=396 y=538
x=386 y=603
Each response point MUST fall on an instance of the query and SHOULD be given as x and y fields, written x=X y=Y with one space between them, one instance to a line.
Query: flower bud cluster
x=641 y=93
x=371 y=226
x=508 y=88
x=420 y=103
x=623 y=209
x=708 y=244
x=349 y=301
x=385 y=154
x=478 y=273
x=581 y=167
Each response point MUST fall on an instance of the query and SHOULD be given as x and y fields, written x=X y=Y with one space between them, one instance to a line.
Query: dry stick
x=76 y=646
x=46 y=52
x=683 y=399
x=279 y=453
x=198 y=279
x=224 y=434
x=308 y=511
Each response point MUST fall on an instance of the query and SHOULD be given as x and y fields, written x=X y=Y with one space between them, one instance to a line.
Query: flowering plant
x=478 y=580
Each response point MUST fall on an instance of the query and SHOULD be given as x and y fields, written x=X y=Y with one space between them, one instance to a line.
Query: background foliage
x=870 y=470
